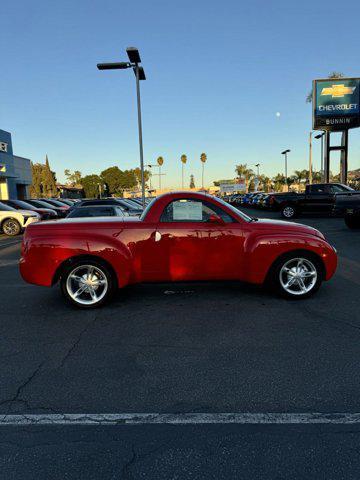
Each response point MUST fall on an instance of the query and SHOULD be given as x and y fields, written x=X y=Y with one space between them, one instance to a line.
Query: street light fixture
x=321 y=135
x=134 y=57
x=285 y=152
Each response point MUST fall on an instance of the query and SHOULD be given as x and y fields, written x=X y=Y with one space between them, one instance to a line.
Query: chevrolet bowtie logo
x=337 y=90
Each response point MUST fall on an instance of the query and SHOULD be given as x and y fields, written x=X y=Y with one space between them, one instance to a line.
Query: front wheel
x=11 y=227
x=296 y=276
x=87 y=284
x=288 y=211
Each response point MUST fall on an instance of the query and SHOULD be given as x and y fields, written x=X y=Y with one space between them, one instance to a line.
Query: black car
x=348 y=205
x=97 y=211
x=318 y=198
x=127 y=207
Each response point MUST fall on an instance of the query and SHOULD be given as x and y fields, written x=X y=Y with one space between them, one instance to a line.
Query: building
x=15 y=172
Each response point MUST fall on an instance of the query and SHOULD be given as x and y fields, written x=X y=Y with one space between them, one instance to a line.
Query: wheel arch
x=300 y=251
x=82 y=257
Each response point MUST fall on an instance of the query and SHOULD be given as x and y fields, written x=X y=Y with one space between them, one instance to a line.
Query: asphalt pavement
x=178 y=349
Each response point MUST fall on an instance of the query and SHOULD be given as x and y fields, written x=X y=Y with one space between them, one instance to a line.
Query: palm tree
x=317 y=177
x=183 y=159
x=203 y=159
x=331 y=75
x=244 y=173
x=279 y=181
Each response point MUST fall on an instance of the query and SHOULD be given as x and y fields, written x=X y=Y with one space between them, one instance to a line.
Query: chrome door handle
x=157 y=236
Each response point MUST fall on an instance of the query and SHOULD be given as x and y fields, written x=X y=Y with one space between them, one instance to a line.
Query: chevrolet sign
x=336 y=104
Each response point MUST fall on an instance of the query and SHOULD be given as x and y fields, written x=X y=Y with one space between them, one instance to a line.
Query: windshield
x=7 y=208
x=238 y=212
x=24 y=205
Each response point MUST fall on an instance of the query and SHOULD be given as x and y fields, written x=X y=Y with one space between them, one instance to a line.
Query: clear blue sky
x=217 y=74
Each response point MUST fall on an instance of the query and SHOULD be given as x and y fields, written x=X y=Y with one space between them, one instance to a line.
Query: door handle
x=157 y=236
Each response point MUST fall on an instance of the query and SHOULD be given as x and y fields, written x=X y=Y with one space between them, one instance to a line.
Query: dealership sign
x=336 y=104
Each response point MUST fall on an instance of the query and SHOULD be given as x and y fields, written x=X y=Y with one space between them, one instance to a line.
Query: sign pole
x=344 y=157
x=310 y=158
x=327 y=157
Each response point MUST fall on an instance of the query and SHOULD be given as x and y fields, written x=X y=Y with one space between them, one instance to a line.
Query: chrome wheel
x=298 y=276
x=11 y=227
x=288 y=212
x=87 y=284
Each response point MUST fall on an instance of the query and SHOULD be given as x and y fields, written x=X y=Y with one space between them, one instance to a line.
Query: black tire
x=352 y=221
x=277 y=276
x=11 y=227
x=288 y=211
x=101 y=272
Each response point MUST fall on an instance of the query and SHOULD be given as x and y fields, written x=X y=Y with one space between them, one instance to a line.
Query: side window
x=317 y=189
x=192 y=210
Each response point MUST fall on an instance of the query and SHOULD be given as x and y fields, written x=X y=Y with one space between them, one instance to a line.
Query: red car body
x=148 y=250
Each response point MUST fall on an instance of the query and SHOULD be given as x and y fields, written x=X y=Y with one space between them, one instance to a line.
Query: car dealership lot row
x=214 y=348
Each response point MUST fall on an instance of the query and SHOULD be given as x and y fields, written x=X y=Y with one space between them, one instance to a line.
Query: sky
x=217 y=74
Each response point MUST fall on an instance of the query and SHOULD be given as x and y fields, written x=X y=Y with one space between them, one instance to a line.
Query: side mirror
x=216 y=219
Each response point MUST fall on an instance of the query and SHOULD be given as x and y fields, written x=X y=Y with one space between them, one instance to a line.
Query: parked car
x=130 y=209
x=66 y=201
x=56 y=203
x=45 y=213
x=348 y=205
x=13 y=222
x=61 y=211
x=318 y=198
x=180 y=237
x=97 y=211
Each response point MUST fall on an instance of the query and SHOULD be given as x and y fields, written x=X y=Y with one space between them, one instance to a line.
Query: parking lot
x=178 y=349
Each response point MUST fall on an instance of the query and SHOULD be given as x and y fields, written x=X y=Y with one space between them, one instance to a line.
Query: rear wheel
x=296 y=276
x=288 y=211
x=87 y=284
x=352 y=221
x=11 y=227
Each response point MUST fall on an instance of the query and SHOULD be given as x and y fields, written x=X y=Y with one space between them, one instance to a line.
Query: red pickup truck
x=179 y=237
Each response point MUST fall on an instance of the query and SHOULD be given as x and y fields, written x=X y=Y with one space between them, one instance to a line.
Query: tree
x=245 y=173
x=43 y=180
x=90 y=184
x=192 y=181
x=331 y=75
x=137 y=172
x=72 y=178
x=279 y=182
x=113 y=177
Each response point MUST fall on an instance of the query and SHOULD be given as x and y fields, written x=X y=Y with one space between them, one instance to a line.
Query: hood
x=28 y=213
x=284 y=226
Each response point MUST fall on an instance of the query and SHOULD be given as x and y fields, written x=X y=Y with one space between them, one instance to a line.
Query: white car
x=12 y=222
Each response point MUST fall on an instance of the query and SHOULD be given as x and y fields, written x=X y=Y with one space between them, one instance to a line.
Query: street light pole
x=285 y=152
x=140 y=135
x=321 y=136
x=134 y=58
x=258 y=171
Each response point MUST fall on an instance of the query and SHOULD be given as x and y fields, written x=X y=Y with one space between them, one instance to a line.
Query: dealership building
x=15 y=172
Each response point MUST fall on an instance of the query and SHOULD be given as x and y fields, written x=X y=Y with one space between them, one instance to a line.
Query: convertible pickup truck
x=180 y=236
x=318 y=198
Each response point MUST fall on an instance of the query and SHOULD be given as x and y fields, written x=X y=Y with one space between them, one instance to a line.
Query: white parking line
x=180 y=418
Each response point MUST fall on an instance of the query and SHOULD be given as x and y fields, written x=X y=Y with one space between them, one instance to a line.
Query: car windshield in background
x=23 y=205
x=6 y=208
x=100 y=211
